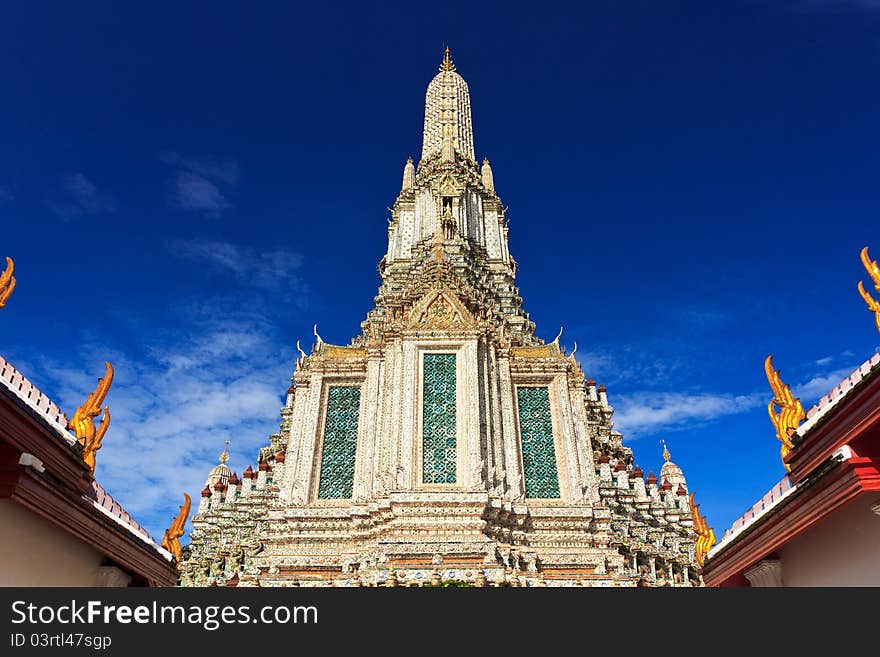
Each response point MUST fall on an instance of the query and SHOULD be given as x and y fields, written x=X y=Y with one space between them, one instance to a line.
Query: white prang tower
x=447 y=441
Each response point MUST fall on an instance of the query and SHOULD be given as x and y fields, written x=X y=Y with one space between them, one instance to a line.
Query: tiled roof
x=56 y=420
x=838 y=392
x=12 y=380
x=775 y=495
x=103 y=501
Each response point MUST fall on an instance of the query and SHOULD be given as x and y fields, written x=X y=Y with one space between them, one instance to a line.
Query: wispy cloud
x=644 y=413
x=222 y=377
x=80 y=196
x=211 y=368
x=628 y=364
x=201 y=185
x=819 y=385
x=277 y=269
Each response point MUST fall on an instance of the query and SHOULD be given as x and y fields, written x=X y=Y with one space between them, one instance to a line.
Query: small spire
x=225 y=455
x=666 y=455
x=486 y=175
x=409 y=174
x=447 y=64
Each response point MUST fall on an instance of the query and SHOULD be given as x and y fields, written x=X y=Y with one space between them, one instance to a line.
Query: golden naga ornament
x=7 y=281
x=705 y=534
x=790 y=413
x=171 y=540
x=83 y=421
x=873 y=270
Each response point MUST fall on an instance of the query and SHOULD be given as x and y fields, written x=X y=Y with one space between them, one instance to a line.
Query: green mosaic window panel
x=536 y=430
x=438 y=419
x=340 y=442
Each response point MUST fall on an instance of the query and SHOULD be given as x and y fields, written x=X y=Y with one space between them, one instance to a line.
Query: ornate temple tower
x=446 y=441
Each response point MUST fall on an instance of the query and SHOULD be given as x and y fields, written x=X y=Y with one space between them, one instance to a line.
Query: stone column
x=405 y=474
x=496 y=432
x=512 y=461
x=566 y=428
x=293 y=458
x=582 y=439
x=468 y=374
x=368 y=426
x=306 y=465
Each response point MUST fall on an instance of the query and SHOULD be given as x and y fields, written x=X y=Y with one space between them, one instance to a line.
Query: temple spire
x=448 y=116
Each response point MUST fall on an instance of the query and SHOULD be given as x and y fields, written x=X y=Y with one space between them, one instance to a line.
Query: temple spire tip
x=447 y=64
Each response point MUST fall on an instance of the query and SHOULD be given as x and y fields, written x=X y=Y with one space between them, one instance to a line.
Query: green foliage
x=454 y=583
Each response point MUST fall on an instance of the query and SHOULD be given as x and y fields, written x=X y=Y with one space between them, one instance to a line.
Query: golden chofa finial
x=225 y=455
x=873 y=270
x=447 y=64
x=83 y=421
x=7 y=281
x=171 y=540
x=666 y=455
x=705 y=534
x=790 y=413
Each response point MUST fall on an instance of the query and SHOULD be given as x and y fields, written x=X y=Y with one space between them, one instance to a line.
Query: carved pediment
x=448 y=186
x=440 y=308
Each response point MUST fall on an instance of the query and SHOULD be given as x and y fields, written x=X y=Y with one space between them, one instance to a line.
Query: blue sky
x=187 y=187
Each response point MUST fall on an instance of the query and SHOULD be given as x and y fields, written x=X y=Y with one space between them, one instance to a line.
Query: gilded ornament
x=7 y=281
x=790 y=413
x=171 y=540
x=531 y=352
x=345 y=352
x=447 y=64
x=705 y=534
x=873 y=270
x=83 y=421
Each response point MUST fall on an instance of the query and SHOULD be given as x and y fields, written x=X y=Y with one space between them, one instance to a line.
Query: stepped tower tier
x=446 y=440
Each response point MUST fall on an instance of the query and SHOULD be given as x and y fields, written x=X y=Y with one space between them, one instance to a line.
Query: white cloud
x=173 y=408
x=81 y=197
x=202 y=185
x=210 y=369
x=819 y=385
x=643 y=413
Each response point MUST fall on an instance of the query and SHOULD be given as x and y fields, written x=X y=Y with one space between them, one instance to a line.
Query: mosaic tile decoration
x=340 y=442
x=438 y=417
x=539 y=455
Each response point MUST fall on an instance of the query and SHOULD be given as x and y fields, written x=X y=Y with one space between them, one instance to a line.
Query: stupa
x=446 y=442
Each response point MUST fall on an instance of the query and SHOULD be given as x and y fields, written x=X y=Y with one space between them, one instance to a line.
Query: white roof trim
x=18 y=385
x=140 y=534
x=724 y=542
x=836 y=394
